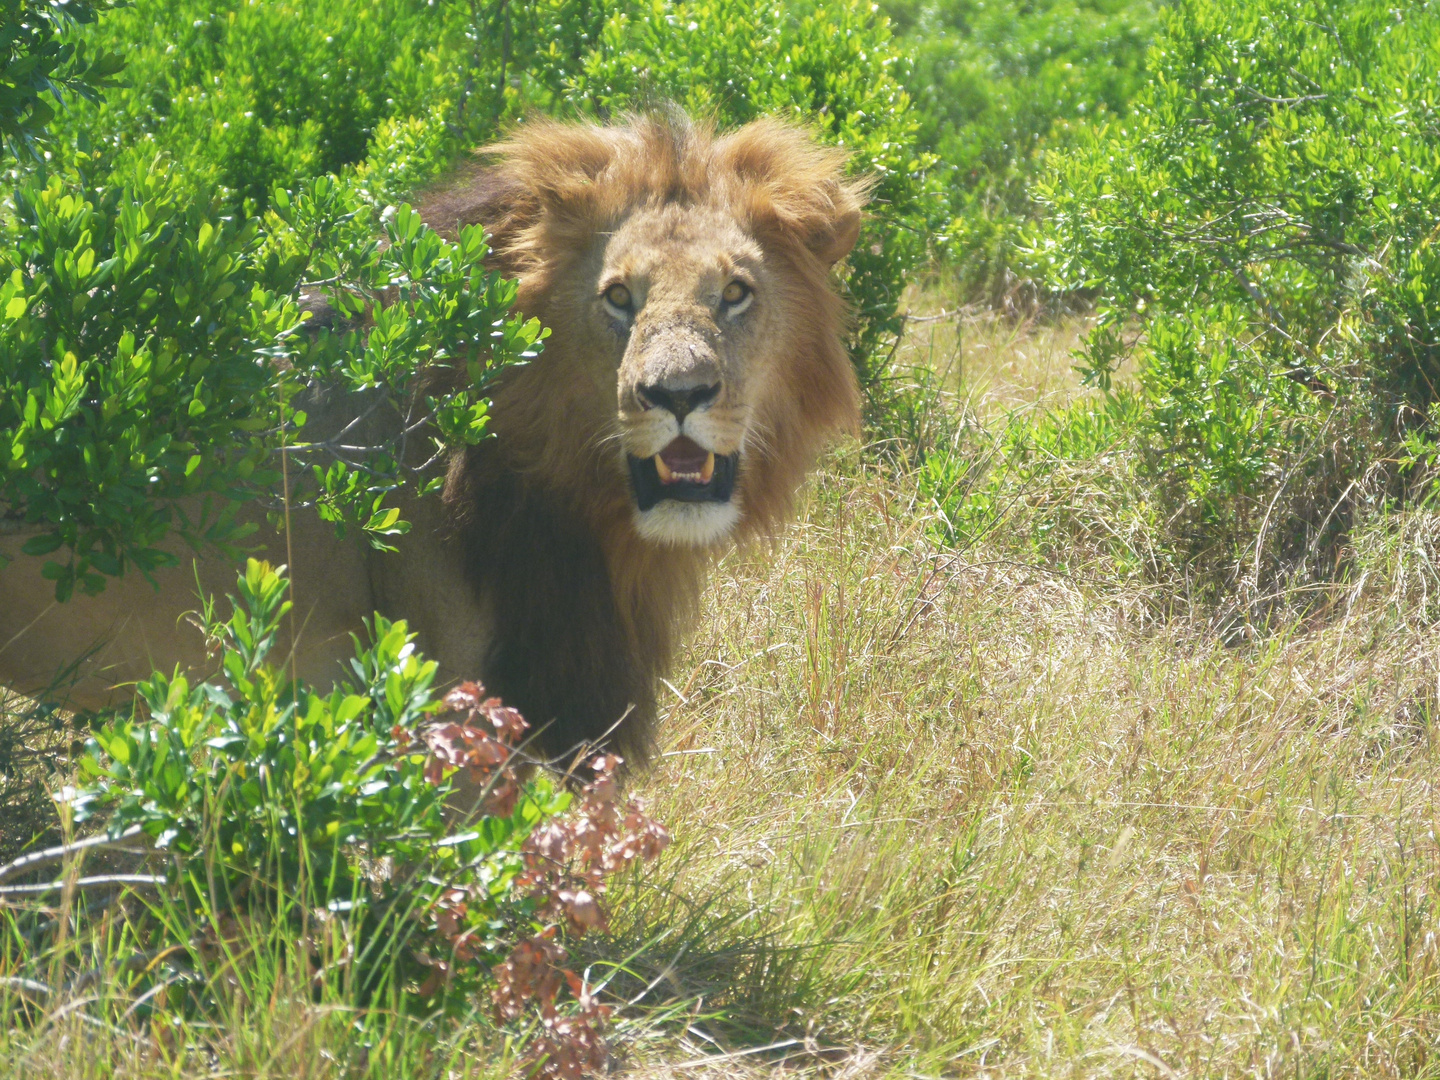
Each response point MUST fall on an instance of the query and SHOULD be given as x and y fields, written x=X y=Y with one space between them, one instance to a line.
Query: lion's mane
x=586 y=614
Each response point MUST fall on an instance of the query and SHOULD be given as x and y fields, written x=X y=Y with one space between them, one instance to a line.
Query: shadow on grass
x=700 y=966
x=40 y=737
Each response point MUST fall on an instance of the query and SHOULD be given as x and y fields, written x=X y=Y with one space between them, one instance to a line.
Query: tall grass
x=964 y=812
x=968 y=811
x=281 y=1006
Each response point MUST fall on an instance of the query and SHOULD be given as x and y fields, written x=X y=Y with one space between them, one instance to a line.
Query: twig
x=1300 y=100
x=705 y=1062
x=96 y=881
x=26 y=988
x=63 y=851
x=959 y=313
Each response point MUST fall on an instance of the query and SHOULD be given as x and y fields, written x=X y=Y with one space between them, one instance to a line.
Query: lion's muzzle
x=683 y=471
x=683 y=453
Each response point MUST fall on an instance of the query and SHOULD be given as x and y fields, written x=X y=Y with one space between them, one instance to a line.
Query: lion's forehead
x=681 y=240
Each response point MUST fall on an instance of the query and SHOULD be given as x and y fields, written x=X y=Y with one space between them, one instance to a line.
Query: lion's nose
x=679 y=402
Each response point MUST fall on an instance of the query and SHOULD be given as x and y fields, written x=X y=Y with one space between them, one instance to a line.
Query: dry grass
x=965 y=815
x=993 y=365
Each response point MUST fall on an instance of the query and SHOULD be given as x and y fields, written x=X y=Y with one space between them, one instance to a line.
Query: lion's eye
x=735 y=292
x=618 y=295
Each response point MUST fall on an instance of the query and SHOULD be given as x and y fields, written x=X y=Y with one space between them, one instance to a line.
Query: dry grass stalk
x=969 y=815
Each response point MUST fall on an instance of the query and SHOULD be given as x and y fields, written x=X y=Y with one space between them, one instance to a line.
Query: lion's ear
x=834 y=239
x=796 y=187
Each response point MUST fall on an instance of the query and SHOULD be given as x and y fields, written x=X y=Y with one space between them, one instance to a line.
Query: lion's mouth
x=685 y=471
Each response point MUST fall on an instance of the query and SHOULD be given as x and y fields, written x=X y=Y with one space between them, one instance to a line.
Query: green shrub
x=38 y=58
x=132 y=328
x=265 y=796
x=1285 y=160
x=247 y=97
x=250 y=95
x=308 y=827
x=1260 y=232
x=139 y=337
x=1221 y=418
x=997 y=85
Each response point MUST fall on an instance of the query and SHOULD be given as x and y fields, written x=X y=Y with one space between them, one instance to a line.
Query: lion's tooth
x=709 y=470
x=666 y=476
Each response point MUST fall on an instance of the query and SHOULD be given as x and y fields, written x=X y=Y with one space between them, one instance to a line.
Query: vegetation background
x=1085 y=722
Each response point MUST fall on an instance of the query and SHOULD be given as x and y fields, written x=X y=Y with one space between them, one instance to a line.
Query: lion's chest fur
x=578 y=625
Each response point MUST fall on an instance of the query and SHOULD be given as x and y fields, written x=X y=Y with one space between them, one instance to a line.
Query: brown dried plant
x=566 y=864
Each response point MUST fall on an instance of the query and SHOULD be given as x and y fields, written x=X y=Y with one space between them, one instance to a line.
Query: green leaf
x=42 y=545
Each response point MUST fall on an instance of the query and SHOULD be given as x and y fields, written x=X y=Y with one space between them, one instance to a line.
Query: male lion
x=685 y=278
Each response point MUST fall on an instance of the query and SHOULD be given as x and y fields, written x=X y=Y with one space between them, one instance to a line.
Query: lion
x=695 y=370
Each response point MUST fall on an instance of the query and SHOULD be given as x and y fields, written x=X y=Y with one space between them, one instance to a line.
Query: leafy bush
x=1222 y=421
x=271 y=811
x=38 y=59
x=166 y=320
x=250 y=96
x=1260 y=233
x=131 y=353
x=997 y=85
x=247 y=97
x=1283 y=161
x=279 y=780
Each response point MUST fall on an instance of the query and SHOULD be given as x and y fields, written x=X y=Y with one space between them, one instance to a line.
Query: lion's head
x=697 y=363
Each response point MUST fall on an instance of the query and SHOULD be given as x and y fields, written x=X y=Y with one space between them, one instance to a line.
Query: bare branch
x=63 y=851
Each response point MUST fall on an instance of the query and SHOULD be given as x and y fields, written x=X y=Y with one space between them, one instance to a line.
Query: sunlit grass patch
x=977 y=811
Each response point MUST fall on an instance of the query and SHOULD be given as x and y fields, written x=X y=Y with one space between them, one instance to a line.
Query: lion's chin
x=683 y=494
x=687 y=524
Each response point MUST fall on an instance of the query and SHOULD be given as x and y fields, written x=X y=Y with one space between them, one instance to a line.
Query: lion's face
x=686 y=278
x=694 y=319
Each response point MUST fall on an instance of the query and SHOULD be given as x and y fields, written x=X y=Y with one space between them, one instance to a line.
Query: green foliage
x=1219 y=417
x=1285 y=160
x=132 y=330
x=38 y=58
x=247 y=97
x=431 y=309
x=305 y=771
x=832 y=64
x=282 y=837
x=287 y=830
x=148 y=346
x=1260 y=233
x=268 y=796
x=139 y=334
x=997 y=85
